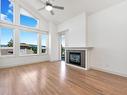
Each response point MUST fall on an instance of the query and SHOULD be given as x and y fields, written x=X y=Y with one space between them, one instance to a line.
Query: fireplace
x=75 y=57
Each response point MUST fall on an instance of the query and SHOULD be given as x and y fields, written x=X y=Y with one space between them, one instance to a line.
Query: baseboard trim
x=108 y=71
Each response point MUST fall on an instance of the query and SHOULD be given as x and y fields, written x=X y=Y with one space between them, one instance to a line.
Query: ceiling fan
x=49 y=7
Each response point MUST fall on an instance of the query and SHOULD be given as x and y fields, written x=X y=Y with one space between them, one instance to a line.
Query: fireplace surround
x=77 y=56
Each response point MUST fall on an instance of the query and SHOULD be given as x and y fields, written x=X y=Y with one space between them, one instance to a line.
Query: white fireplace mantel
x=78 y=48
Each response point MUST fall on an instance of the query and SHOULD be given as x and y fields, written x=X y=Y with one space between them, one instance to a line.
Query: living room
x=63 y=47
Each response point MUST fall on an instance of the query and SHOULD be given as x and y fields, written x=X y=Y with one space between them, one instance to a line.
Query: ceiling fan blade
x=41 y=8
x=52 y=13
x=58 y=7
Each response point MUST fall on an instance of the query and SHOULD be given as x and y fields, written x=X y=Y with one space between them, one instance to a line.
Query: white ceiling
x=72 y=8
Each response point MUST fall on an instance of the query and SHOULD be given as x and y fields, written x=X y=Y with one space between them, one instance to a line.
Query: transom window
x=27 y=19
x=6 y=10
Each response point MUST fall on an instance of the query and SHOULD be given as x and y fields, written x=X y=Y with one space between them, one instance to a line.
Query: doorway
x=62 y=47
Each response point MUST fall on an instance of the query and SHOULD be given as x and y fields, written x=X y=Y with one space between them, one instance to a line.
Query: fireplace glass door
x=75 y=58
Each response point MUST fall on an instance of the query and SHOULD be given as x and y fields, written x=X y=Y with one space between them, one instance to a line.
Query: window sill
x=14 y=56
x=44 y=54
x=28 y=55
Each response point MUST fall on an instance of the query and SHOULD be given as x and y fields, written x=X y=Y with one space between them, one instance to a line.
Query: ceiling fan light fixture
x=49 y=8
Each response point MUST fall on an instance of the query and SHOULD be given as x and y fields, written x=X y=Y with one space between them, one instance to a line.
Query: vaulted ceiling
x=72 y=8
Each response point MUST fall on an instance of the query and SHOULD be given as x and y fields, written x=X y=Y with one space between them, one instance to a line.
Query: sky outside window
x=28 y=37
x=6 y=35
x=26 y=19
x=44 y=40
x=6 y=13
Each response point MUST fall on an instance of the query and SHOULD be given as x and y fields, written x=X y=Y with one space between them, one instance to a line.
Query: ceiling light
x=48 y=8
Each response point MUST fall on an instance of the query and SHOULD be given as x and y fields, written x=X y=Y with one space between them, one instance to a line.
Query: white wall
x=76 y=36
x=16 y=61
x=53 y=42
x=107 y=32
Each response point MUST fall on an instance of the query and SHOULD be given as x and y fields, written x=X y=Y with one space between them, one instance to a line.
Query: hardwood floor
x=59 y=79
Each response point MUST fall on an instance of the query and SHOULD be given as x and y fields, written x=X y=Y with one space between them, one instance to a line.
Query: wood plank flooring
x=59 y=79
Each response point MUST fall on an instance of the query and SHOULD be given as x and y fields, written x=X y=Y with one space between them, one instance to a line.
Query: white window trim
x=27 y=29
x=21 y=27
x=6 y=47
x=29 y=55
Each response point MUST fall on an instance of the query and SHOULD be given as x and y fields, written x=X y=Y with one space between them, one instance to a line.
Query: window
x=44 y=41
x=11 y=30
x=6 y=11
x=28 y=43
x=27 y=19
x=6 y=41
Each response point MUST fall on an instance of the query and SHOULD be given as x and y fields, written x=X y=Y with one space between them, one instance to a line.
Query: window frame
x=38 y=21
x=37 y=43
x=16 y=29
